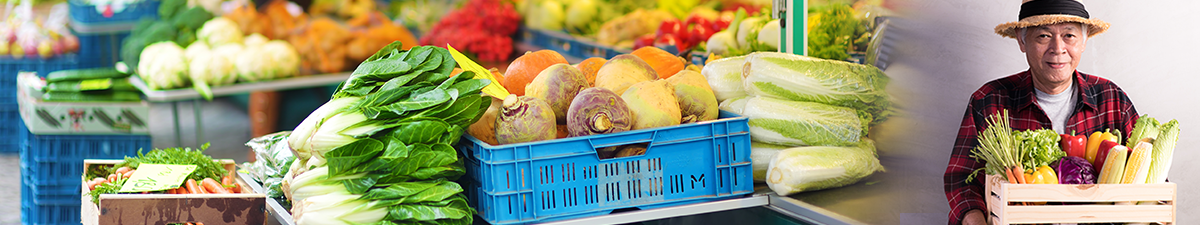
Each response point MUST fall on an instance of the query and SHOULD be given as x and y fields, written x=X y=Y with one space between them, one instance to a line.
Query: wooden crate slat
x=1000 y=194
x=1088 y=213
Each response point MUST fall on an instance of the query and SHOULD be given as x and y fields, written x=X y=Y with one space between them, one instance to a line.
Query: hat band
x=1051 y=7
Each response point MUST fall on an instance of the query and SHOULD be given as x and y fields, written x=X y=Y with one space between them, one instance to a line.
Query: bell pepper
x=1041 y=175
x=1049 y=177
x=1093 y=143
x=1074 y=145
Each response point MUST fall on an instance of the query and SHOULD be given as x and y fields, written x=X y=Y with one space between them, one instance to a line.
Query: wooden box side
x=1001 y=193
x=245 y=208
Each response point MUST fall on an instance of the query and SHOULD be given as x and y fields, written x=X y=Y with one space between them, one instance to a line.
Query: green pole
x=794 y=19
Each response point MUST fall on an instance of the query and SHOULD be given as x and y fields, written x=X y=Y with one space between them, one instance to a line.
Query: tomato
x=672 y=40
x=670 y=27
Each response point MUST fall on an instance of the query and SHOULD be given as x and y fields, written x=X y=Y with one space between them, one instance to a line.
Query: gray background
x=947 y=49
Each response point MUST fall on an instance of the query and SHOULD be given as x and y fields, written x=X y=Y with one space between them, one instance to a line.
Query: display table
x=178 y=96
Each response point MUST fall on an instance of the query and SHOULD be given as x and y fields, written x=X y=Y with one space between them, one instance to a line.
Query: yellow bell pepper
x=1041 y=175
x=1048 y=174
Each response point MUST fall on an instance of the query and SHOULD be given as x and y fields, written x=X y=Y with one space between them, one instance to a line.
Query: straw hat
x=1044 y=12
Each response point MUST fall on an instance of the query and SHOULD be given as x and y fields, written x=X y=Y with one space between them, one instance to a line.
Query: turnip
x=696 y=99
x=557 y=85
x=485 y=128
x=653 y=104
x=524 y=119
x=598 y=111
x=622 y=71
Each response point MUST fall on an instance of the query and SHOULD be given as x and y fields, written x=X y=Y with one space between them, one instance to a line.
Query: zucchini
x=84 y=74
x=91 y=85
x=96 y=96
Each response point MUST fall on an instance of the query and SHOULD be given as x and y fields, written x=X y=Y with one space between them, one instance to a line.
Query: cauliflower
x=195 y=49
x=163 y=66
x=220 y=31
x=252 y=64
x=283 y=57
x=254 y=39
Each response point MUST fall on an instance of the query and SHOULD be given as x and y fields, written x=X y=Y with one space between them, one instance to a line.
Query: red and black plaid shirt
x=1101 y=105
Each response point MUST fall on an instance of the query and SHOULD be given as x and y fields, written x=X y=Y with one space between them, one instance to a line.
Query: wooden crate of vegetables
x=1082 y=203
x=1102 y=181
x=217 y=198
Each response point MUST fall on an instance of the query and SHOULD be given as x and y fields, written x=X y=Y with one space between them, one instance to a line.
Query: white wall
x=946 y=49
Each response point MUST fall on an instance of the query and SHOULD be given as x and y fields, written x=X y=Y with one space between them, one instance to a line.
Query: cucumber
x=97 y=96
x=91 y=85
x=84 y=74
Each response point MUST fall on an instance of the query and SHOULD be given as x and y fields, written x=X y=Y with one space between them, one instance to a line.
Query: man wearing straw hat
x=1051 y=94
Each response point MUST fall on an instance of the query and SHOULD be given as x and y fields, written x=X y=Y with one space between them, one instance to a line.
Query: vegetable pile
x=481 y=27
x=551 y=99
x=210 y=177
x=24 y=35
x=1042 y=157
x=381 y=149
x=797 y=101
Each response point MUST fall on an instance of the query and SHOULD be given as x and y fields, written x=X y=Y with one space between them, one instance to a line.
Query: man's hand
x=974 y=217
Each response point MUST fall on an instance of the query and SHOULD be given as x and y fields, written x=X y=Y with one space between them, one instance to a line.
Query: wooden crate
x=1002 y=196
x=244 y=208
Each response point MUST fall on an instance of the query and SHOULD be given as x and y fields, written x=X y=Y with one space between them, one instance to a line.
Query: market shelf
x=177 y=96
x=240 y=88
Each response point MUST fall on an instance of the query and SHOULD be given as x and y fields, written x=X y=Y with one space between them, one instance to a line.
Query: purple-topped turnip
x=598 y=111
x=524 y=119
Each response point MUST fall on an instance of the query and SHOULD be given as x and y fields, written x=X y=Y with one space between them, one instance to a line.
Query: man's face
x=1053 y=52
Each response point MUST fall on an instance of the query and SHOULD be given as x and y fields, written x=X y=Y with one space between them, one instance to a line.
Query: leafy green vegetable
x=813 y=168
x=803 y=78
x=381 y=150
x=795 y=123
x=206 y=167
x=835 y=33
x=1040 y=147
x=1145 y=127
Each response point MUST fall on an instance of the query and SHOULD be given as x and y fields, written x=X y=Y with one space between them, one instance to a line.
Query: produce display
x=481 y=27
x=210 y=177
x=22 y=35
x=273 y=158
x=381 y=150
x=551 y=99
x=1035 y=156
x=795 y=101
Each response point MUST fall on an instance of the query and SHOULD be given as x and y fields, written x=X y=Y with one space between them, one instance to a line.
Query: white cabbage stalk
x=769 y=35
x=338 y=208
x=302 y=137
x=317 y=182
x=220 y=31
x=163 y=66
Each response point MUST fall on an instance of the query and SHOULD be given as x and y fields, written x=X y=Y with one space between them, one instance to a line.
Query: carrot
x=192 y=188
x=212 y=186
x=1020 y=172
x=1012 y=179
x=123 y=169
x=112 y=176
x=169 y=191
x=126 y=175
x=181 y=190
x=227 y=182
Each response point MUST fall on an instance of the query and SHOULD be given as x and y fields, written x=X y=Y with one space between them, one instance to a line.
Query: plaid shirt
x=1101 y=105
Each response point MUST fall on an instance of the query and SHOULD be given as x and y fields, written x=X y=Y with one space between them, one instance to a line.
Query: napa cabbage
x=813 y=168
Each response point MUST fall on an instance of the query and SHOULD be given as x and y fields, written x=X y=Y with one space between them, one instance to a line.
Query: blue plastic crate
x=52 y=193
x=9 y=128
x=33 y=213
x=57 y=160
x=9 y=67
x=564 y=178
x=100 y=49
x=85 y=13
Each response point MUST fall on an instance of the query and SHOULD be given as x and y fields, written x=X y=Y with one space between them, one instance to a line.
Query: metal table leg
x=199 y=123
x=175 y=116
